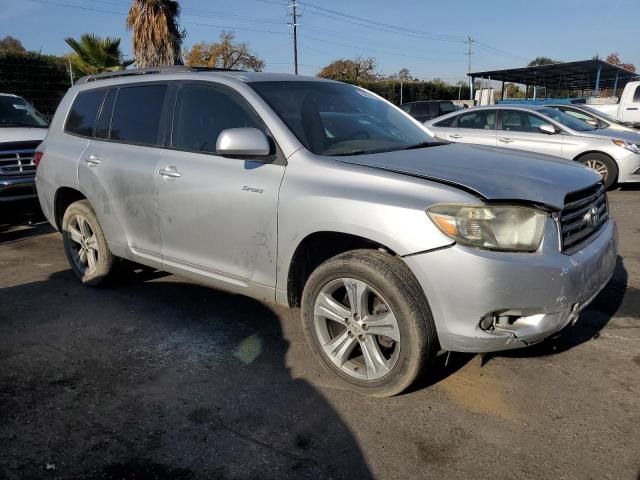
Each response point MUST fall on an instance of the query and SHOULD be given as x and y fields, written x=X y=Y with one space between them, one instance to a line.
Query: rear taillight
x=37 y=157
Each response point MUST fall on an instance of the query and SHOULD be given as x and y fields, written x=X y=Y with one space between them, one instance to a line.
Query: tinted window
x=338 y=119
x=84 y=111
x=446 y=123
x=136 y=116
x=483 y=120
x=515 y=121
x=446 y=107
x=203 y=112
x=421 y=108
x=406 y=107
x=104 y=119
x=636 y=95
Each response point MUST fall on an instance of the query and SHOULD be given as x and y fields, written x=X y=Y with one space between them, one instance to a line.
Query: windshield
x=339 y=119
x=600 y=114
x=16 y=112
x=567 y=120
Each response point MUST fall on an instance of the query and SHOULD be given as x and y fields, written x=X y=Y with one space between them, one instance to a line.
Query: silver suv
x=320 y=195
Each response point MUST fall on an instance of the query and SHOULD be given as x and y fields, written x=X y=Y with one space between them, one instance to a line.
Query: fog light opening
x=500 y=319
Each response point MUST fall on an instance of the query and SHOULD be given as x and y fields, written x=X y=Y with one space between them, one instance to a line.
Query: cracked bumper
x=539 y=293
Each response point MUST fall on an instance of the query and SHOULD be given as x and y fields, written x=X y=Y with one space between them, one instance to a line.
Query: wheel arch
x=64 y=197
x=316 y=248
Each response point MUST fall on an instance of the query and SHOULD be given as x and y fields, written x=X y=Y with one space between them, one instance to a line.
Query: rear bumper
x=520 y=299
x=17 y=188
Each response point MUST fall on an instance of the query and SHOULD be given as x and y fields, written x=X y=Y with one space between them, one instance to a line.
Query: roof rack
x=151 y=71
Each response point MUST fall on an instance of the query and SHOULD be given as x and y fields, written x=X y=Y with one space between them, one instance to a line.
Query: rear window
x=84 y=111
x=636 y=95
x=136 y=115
x=447 y=122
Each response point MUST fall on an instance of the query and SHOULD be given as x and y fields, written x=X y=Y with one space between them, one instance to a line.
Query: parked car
x=627 y=109
x=537 y=128
x=428 y=109
x=394 y=245
x=596 y=118
x=22 y=128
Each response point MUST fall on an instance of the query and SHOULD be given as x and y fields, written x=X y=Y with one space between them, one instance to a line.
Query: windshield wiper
x=424 y=145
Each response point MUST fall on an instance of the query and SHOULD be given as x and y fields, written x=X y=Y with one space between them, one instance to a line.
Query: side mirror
x=249 y=142
x=548 y=129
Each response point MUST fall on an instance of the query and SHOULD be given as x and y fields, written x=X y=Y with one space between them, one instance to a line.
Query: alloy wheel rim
x=84 y=245
x=599 y=167
x=357 y=330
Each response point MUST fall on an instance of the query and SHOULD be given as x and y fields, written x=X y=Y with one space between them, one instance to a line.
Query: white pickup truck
x=627 y=109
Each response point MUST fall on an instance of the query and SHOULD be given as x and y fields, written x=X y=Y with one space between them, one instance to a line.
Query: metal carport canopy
x=585 y=74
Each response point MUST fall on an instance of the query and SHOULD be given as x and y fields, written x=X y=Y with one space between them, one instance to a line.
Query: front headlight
x=493 y=227
x=632 y=147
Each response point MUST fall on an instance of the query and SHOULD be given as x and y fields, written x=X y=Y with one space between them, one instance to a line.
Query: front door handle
x=632 y=108
x=455 y=135
x=170 y=172
x=92 y=160
x=505 y=140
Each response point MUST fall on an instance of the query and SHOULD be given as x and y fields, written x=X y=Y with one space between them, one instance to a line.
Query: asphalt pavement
x=160 y=378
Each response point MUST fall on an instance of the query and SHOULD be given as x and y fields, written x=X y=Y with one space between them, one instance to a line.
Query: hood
x=495 y=174
x=20 y=134
x=629 y=136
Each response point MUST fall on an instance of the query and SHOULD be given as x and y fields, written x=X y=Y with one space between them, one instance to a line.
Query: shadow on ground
x=157 y=380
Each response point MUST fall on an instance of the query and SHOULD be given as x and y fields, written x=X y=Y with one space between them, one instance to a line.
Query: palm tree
x=156 y=36
x=93 y=54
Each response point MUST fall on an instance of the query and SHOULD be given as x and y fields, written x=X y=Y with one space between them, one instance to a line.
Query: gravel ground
x=165 y=379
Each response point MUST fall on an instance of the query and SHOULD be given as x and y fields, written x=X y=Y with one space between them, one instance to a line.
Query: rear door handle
x=170 y=172
x=455 y=135
x=632 y=108
x=92 y=160
x=505 y=140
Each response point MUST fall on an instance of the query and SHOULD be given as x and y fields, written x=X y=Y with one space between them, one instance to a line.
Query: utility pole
x=294 y=24
x=470 y=41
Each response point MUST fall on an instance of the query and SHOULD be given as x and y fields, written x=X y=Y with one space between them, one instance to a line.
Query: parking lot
x=157 y=377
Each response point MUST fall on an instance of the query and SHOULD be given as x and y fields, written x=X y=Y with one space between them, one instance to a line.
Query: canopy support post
x=615 y=85
x=598 y=79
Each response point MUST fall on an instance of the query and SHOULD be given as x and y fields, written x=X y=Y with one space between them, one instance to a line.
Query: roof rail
x=151 y=71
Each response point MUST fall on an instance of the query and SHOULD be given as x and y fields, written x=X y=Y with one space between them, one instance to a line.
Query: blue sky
x=510 y=32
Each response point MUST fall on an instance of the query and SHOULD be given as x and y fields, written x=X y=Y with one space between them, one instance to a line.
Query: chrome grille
x=17 y=162
x=584 y=213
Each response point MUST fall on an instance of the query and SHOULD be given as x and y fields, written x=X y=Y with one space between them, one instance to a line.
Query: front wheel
x=604 y=165
x=367 y=320
x=85 y=244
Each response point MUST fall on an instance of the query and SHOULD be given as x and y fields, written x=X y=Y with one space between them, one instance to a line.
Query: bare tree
x=224 y=54
x=350 y=70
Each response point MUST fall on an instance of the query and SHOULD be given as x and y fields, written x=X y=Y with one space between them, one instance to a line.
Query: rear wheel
x=85 y=245
x=367 y=320
x=604 y=165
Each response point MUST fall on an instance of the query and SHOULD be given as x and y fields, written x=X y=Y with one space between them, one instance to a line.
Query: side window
x=516 y=121
x=203 y=112
x=484 y=120
x=406 y=107
x=83 y=113
x=579 y=115
x=448 y=122
x=104 y=119
x=636 y=95
x=137 y=113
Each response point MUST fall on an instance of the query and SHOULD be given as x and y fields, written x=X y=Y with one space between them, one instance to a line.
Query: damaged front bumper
x=485 y=301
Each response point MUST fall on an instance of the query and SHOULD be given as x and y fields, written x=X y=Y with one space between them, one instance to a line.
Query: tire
x=81 y=232
x=604 y=165
x=392 y=294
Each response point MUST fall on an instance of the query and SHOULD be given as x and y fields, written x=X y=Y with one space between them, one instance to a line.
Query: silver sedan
x=615 y=154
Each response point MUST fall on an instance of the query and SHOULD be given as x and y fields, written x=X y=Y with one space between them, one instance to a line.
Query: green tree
x=155 y=33
x=223 y=54
x=536 y=62
x=93 y=54
x=511 y=90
